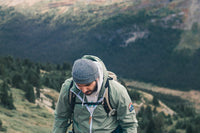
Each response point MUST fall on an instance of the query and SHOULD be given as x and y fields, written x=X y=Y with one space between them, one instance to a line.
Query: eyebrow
x=85 y=84
x=88 y=84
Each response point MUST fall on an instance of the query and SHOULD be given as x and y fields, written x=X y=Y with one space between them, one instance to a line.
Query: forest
x=26 y=75
x=136 y=41
x=154 y=57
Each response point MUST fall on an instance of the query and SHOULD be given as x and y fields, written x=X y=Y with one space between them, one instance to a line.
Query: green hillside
x=25 y=106
x=29 y=92
x=137 y=40
x=147 y=42
x=26 y=118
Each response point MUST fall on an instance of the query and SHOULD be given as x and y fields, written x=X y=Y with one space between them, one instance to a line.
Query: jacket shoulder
x=66 y=86
x=116 y=87
x=116 y=92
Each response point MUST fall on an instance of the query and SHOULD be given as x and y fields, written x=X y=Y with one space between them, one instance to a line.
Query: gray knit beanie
x=84 y=71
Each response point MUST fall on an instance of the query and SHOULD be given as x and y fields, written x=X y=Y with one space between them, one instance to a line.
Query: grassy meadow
x=27 y=118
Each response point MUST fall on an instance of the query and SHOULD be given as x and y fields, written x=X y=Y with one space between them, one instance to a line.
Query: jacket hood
x=105 y=77
x=105 y=72
x=95 y=58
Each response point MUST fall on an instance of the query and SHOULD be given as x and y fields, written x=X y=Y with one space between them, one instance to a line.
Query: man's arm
x=126 y=112
x=62 y=111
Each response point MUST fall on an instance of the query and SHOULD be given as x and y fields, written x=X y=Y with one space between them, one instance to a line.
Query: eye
x=88 y=84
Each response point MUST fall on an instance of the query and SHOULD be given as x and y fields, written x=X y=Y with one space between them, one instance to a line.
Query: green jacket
x=100 y=121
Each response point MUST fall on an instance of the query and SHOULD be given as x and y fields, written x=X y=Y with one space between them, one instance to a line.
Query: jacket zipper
x=91 y=112
x=90 y=118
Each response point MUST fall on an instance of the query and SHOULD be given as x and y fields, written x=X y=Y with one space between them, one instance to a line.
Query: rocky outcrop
x=194 y=14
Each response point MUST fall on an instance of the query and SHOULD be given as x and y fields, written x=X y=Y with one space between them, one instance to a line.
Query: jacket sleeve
x=125 y=110
x=63 y=111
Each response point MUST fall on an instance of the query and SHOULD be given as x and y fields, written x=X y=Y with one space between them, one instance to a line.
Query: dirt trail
x=46 y=102
x=53 y=3
x=162 y=108
x=192 y=95
x=18 y=2
x=193 y=15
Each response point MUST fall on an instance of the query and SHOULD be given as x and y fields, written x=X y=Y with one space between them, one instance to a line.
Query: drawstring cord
x=83 y=100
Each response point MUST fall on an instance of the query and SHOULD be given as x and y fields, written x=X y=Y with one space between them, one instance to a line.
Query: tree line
x=26 y=75
x=150 y=120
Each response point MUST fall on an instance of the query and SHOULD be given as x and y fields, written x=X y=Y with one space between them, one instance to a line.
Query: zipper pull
x=90 y=118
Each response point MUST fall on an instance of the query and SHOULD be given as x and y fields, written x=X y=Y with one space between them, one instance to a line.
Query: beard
x=92 y=91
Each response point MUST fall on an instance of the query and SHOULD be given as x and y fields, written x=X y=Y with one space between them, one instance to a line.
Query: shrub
x=29 y=93
x=134 y=95
x=155 y=101
x=6 y=97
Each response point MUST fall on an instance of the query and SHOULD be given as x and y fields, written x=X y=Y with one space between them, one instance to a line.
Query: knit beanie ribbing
x=84 y=71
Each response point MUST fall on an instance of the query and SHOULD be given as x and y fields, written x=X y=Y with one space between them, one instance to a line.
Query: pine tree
x=151 y=127
x=155 y=101
x=1 y=125
x=148 y=112
x=29 y=93
x=6 y=98
x=66 y=66
x=38 y=92
x=2 y=69
x=33 y=78
x=141 y=112
x=189 y=129
x=53 y=104
x=17 y=81
x=159 y=122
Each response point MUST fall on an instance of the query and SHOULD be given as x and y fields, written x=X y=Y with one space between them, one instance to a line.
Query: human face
x=89 y=88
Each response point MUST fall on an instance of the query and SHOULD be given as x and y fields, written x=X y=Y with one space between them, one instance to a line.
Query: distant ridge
x=147 y=38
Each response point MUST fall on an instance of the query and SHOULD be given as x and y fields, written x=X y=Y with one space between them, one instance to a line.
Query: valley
x=192 y=96
x=32 y=89
x=152 y=44
x=38 y=117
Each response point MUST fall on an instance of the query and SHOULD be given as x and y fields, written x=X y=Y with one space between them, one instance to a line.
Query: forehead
x=88 y=84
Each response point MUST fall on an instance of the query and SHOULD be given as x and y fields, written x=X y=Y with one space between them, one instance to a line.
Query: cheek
x=91 y=88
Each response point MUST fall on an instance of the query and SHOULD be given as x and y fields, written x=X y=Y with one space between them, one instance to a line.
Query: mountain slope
x=18 y=77
x=192 y=96
x=136 y=39
x=190 y=37
x=27 y=118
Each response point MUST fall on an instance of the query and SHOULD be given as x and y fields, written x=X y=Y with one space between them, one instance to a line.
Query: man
x=89 y=82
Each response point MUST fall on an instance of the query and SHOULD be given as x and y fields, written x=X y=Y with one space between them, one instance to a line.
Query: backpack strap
x=71 y=101
x=106 y=104
x=72 y=97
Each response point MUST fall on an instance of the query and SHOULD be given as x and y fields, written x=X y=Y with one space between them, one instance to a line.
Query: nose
x=84 y=89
